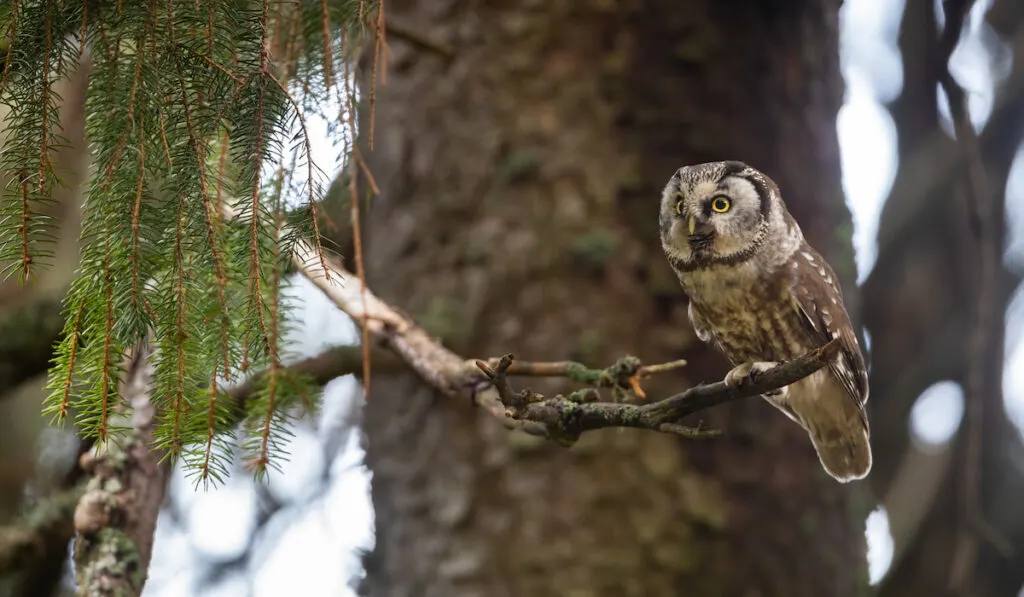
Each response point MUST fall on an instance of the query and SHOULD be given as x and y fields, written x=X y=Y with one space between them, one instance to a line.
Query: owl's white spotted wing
x=818 y=298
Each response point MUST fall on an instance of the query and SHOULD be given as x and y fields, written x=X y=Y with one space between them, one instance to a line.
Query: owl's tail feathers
x=844 y=450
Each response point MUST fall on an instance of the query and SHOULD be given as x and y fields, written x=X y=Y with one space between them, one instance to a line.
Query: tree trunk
x=520 y=183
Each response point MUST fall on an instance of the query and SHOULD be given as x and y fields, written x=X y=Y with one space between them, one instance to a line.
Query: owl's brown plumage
x=760 y=294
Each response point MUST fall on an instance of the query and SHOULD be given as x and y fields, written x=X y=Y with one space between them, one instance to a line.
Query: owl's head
x=719 y=212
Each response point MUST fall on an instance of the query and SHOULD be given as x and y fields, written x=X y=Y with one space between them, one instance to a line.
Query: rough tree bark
x=520 y=184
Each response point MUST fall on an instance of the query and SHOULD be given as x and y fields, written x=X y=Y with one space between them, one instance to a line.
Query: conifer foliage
x=186 y=235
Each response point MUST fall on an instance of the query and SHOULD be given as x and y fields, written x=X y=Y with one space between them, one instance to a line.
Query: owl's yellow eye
x=721 y=204
x=679 y=206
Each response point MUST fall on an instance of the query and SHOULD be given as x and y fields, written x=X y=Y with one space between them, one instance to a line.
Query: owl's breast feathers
x=754 y=315
x=749 y=320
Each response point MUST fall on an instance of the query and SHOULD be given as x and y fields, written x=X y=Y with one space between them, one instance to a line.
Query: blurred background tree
x=519 y=150
x=520 y=180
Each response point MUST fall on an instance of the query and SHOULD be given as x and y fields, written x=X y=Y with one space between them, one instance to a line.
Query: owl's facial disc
x=713 y=213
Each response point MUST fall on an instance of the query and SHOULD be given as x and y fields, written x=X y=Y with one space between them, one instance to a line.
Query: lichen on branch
x=565 y=418
x=116 y=516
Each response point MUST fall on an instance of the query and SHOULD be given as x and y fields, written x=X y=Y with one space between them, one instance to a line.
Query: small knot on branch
x=499 y=377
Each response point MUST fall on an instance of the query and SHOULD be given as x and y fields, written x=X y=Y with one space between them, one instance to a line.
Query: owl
x=761 y=295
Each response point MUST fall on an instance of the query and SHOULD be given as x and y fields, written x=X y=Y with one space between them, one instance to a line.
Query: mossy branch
x=566 y=417
x=116 y=516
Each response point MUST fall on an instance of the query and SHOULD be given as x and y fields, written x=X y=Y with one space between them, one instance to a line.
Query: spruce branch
x=106 y=378
x=200 y=147
x=186 y=107
x=206 y=470
x=326 y=34
x=379 y=33
x=259 y=152
x=38 y=56
x=44 y=137
x=67 y=350
x=310 y=166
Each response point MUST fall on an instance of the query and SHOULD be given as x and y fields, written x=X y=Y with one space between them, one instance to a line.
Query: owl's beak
x=701 y=234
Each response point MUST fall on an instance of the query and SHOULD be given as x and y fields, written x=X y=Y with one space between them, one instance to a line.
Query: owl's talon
x=734 y=378
x=750 y=370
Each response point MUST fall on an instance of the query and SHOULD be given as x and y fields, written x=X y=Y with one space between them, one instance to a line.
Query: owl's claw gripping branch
x=566 y=418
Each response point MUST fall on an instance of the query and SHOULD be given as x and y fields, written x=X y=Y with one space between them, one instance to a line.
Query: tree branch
x=446 y=371
x=337 y=361
x=566 y=418
x=116 y=517
x=322 y=368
